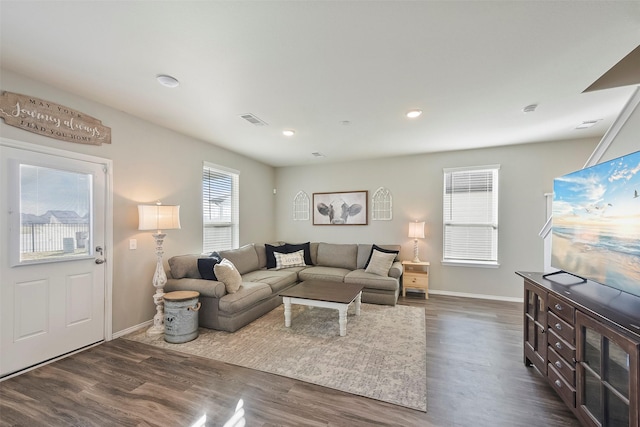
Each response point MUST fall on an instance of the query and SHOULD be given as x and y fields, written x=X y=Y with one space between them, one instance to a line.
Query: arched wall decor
x=301 y=207
x=382 y=205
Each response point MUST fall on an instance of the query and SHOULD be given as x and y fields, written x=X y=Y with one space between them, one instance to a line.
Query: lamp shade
x=416 y=230
x=158 y=217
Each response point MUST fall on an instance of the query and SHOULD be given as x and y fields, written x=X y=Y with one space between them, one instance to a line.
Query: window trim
x=495 y=224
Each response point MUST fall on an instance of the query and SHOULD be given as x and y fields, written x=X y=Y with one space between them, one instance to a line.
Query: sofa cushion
x=228 y=274
x=306 y=247
x=380 y=262
x=292 y=259
x=269 y=250
x=207 y=288
x=245 y=258
x=380 y=249
x=364 y=252
x=248 y=295
x=287 y=248
x=262 y=255
x=182 y=266
x=276 y=279
x=205 y=266
x=314 y=252
x=337 y=255
x=372 y=281
x=318 y=272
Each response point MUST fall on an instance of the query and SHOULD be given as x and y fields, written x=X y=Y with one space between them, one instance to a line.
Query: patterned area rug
x=383 y=355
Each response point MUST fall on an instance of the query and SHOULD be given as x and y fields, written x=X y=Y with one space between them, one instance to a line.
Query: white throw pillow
x=294 y=259
x=227 y=273
x=380 y=263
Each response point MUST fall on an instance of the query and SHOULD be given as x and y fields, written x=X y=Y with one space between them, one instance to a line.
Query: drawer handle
x=558 y=326
x=558 y=383
x=558 y=307
x=558 y=364
x=559 y=346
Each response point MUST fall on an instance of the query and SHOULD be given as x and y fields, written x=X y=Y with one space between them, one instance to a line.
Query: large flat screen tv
x=596 y=223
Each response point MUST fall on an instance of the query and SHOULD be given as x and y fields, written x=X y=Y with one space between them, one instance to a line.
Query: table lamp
x=416 y=231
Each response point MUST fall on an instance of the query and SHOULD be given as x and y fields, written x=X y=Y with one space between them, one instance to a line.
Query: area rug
x=383 y=355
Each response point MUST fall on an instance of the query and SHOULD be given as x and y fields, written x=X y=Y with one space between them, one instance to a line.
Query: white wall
x=527 y=172
x=152 y=163
x=627 y=140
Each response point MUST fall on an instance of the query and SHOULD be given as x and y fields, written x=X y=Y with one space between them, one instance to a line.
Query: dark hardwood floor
x=475 y=377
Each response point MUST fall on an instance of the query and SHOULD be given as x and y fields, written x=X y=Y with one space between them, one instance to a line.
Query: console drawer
x=560 y=346
x=562 y=309
x=566 y=369
x=564 y=389
x=562 y=328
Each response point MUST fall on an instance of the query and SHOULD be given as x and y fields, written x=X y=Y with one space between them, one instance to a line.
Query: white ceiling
x=311 y=65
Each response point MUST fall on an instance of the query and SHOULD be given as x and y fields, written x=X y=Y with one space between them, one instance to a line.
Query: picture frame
x=341 y=208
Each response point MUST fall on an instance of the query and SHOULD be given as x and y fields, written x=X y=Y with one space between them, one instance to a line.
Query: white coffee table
x=322 y=293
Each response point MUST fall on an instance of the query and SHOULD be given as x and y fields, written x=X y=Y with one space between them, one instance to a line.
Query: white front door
x=52 y=245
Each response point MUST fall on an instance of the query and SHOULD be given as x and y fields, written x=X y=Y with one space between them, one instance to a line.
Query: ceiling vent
x=317 y=154
x=253 y=119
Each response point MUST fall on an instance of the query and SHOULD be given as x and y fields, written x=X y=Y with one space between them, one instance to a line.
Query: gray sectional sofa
x=261 y=285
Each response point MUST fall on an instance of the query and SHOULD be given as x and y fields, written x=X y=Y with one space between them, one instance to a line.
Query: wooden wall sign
x=52 y=120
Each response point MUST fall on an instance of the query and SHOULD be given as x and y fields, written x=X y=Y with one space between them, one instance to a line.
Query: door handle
x=100 y=261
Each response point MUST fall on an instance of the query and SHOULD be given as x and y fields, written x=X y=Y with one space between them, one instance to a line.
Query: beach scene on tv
x=596 y=223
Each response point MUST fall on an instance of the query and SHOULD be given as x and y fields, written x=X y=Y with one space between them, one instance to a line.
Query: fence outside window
x=67 y=238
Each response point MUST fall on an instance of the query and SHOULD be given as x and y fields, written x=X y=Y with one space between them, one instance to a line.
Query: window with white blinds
x=470 y=215
x=220 y=213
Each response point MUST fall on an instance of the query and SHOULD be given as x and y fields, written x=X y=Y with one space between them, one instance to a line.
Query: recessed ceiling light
x=167 y=81
x=414 y=113
x=530 y=108
x=587 y=124
x=288 y=132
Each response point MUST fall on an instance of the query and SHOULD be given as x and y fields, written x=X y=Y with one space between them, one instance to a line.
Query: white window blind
x=220 y=212
x=470 y=215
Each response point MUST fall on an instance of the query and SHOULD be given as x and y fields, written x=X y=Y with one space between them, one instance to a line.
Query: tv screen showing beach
x=596 y=223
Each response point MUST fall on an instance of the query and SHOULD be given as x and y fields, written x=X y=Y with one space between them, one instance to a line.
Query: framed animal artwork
x=340 y=208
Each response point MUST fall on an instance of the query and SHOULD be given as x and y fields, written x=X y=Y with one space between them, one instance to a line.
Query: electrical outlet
x=133 y=244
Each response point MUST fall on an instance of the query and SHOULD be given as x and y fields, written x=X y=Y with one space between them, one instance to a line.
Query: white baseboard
x=132 y=329
x=478 y=296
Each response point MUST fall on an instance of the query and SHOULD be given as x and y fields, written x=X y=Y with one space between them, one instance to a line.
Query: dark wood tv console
x=585 y=339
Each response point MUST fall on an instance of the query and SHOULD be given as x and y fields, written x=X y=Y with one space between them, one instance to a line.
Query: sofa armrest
x=207 y=288
x=396 y=269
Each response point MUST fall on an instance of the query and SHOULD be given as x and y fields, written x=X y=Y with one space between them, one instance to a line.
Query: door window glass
x=55 y=214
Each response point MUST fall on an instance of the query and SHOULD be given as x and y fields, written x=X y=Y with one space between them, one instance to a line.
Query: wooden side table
x=415 y=276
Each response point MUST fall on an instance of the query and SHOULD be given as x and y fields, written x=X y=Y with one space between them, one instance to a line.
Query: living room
x=151 y=162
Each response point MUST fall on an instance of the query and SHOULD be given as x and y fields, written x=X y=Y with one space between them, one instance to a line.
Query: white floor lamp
x=416 y=231
x=158 y=217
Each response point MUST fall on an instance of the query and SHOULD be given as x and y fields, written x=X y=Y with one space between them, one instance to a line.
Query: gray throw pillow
x=380 y=263
x=227 y=273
